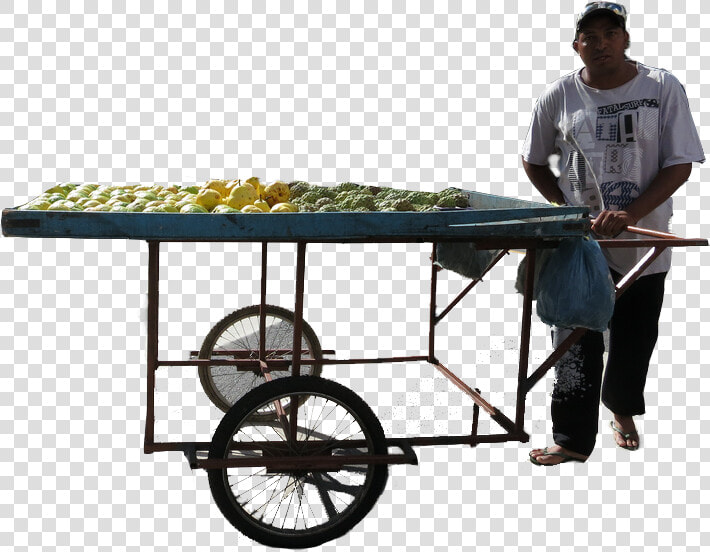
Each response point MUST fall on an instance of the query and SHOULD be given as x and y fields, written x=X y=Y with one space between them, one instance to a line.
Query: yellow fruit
x=76 y=195
x=284 y=207
x=187 y=201
x=254 y=181
x=241 y=196
x=208 y=198
x=36 y=205
x=99 y=196
x=56 y=190
x=251 y=209
x=276 y=192
x=219 y=185
x=230 y=186
x=261 y=204
x=224 y=208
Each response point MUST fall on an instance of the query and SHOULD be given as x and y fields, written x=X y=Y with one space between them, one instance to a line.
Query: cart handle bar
x=648 y=232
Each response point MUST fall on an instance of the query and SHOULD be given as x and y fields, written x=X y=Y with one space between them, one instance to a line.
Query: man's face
x=601 y=43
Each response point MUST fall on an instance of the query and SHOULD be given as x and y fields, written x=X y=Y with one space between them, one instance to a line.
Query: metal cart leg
x=152 y=348
x=525 y=340
x=262 y=309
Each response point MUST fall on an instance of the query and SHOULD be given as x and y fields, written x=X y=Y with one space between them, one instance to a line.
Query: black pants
x=633 y=332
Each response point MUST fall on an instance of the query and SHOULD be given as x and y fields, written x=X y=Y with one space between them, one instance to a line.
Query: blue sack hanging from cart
x=575 y=288
x=464 y=258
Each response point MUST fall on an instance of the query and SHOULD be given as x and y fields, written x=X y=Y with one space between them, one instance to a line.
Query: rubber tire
x=231 y=319
x=239 y=413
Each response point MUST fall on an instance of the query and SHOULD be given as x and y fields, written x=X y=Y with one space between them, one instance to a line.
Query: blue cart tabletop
x=488 y=216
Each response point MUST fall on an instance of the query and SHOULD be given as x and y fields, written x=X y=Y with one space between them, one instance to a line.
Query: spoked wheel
x=298 y=503
x=237 y=336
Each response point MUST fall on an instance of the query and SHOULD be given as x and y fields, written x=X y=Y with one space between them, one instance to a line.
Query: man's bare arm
x=545 y=181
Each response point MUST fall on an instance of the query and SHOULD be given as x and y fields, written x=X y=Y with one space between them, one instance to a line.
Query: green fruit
x=136 y=206
x=125 y=197
x=76 y=195
x=100 y=196
x=35 y=206
x=191 y=189
x=146 y=194
x=56 y=197
x=90 y=204
x=88 y=188
x=61 y=206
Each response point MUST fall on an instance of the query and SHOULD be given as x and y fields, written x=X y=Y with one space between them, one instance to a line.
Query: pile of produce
x=235 y=196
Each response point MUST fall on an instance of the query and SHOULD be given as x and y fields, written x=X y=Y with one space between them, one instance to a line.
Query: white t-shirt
x=612 y=143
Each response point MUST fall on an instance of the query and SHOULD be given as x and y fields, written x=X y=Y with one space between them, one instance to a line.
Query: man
x=626 y=141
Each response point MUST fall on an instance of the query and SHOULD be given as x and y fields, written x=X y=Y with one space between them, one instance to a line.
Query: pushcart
x=298 y=460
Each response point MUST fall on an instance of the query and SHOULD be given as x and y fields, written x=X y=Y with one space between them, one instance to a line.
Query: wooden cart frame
x=495 y=223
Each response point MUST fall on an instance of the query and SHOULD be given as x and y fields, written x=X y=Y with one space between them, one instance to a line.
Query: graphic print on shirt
x=610 y=137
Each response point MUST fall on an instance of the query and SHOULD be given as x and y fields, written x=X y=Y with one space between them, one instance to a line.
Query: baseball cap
x=618 y=11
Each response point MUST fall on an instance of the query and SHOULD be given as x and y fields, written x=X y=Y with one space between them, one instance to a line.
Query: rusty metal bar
x=465 y=439
x=556 y=355
x=458 y=382
x=383 y=360
x=298 y=309
x=648 y=232
x=203 y=446
x=244 y=353
x=262 y=304
x=297 y=331
x=474 y=422
x=636 y=271
x=632 y=243
x=432 y=305
x=241 y=363
x=250 y=364
x=152 y=345
x=401 y=442
x=524 y=358
x=656 y=234
x=280 y=412
x=470 y=286
x=291 y=463
x=495 y=414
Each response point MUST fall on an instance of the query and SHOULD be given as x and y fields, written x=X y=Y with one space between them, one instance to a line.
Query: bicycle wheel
x=237 y=336
x=298 y=508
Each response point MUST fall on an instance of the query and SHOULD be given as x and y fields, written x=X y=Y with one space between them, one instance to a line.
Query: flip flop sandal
x=565 y=457
x=632 y=435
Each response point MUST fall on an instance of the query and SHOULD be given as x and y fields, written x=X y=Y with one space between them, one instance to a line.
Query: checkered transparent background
x=417 y=95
